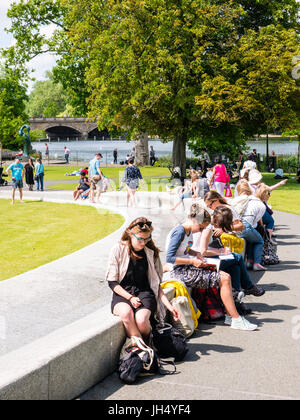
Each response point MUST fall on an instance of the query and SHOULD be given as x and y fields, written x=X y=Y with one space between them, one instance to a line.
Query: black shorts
x=147 y=298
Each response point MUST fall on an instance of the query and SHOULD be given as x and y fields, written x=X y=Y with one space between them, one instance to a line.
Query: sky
x=40 y=64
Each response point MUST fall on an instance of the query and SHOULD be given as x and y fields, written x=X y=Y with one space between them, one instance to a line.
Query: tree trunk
x=141 y=150
x=179 y=154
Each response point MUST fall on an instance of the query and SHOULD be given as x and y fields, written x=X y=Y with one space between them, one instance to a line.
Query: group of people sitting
x=215 y=228
x=91 y=180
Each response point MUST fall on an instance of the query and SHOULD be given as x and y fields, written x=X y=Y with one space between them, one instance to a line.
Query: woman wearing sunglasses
x=134 y=274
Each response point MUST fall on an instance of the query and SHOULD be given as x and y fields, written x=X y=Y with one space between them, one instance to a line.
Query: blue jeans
x=268 y=221
x=255 y=243
x=237 y=269
x=40 y=180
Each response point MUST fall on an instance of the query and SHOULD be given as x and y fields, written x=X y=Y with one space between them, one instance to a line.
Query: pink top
x=220 y=173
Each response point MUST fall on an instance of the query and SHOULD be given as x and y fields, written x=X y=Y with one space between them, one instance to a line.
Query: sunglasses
x=142 y=224
x=145 y=240
x=209 y=205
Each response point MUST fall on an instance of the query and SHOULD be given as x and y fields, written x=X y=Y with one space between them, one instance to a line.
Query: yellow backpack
x=233 y=242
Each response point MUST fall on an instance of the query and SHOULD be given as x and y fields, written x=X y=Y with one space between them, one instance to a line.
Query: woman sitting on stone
x=134 y=274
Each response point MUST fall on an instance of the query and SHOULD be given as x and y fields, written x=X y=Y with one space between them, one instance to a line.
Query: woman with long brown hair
x=134 y=274
x=188 y=265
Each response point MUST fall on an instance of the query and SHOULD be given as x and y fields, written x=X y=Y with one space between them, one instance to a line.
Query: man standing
x=67 y=154
x=17 y=173
x=96 y=177
x=115 y=156
x=152 y=156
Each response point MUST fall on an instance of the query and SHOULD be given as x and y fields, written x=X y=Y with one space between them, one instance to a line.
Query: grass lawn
x=57 y=173
x=150 y=185
x=36 y=233
x=286 y=198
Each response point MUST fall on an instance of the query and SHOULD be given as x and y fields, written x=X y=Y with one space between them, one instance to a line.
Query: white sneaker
x=241 y=323
x=228 y=320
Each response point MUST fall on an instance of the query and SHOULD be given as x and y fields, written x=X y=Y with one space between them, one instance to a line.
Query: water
x=85 y=150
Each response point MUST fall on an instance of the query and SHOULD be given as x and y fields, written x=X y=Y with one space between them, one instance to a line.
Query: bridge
x=68 y=128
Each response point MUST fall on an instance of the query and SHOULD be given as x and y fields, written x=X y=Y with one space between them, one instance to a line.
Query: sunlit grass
x=36 y=233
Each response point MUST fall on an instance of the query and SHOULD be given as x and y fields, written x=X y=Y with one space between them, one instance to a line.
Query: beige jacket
x=118 y=265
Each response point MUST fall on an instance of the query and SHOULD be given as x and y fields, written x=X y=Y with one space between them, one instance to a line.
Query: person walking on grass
x=17 y=174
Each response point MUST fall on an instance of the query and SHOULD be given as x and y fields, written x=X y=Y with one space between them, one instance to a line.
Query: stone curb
x=69 y=361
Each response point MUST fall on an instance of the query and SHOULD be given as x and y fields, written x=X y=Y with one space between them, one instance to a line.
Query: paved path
x=222 y=363
x=227 y=364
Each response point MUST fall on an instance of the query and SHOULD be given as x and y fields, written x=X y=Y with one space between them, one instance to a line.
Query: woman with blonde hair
x=251 y=211
x=263 y=192
x=134 y=274
x=189 y=267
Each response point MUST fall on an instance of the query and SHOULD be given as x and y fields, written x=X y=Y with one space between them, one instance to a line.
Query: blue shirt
x=39 y=169
x=93 y=167
x=16 y=171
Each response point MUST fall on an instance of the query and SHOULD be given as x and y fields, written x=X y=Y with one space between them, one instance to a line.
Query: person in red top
x=219 y=177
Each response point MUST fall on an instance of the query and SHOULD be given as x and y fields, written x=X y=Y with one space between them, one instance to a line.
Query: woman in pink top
x=219 y=177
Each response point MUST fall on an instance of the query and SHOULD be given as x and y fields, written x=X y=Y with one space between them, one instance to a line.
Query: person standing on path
x=17 y=173
x=219 y=177
x=39 y=175
x=29 y=174
x=131 y=178
x=67 y=154
x=96 y=177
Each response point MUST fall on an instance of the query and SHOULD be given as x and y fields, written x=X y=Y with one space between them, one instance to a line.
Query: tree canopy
x=204 y=71
x=12 y=108
x=47 y=99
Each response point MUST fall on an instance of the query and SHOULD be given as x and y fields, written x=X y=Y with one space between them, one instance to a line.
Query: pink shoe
x=259 y=267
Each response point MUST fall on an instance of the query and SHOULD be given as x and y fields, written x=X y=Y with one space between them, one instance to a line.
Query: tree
x=12 y=108
x=177 y=69
x=47 y=99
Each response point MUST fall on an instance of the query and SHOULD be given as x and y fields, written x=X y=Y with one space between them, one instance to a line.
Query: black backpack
x=169 y=342
x=138 y=359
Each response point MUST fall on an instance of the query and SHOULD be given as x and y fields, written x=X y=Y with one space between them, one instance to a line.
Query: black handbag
x=269 y=254
x=169 y=342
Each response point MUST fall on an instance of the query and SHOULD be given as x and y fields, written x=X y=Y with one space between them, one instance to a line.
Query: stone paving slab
x=227 y=364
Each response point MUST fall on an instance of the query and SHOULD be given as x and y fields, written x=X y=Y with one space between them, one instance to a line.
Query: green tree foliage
x=12 y=108
x=210 y=72
x=47 y=99
x=29 y=18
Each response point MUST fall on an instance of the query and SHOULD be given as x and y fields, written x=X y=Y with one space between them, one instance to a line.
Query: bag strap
x=165 y=327
x=165 y=362
x=142 y=346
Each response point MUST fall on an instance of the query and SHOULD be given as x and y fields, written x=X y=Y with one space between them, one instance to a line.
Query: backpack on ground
x=138 y=359
x=209 y=302
x=169 y=342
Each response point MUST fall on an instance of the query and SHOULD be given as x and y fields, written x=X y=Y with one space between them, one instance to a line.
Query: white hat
x=254 y=176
